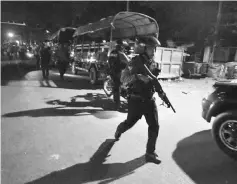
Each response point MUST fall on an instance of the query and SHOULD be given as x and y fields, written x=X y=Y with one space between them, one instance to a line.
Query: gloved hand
x=162 y=95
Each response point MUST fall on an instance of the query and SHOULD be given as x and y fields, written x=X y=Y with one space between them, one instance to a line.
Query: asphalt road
x=48 y=139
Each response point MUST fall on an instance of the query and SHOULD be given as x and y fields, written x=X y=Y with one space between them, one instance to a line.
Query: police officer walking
x=117 y=62
x=141 y=90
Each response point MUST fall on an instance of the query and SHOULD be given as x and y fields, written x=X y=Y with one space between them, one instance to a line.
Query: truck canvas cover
x=123 y=25
x=63 y=34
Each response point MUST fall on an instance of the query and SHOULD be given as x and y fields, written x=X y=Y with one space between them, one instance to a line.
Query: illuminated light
x=72 y=54
x=18 y=42
x=91 y=59
x=10 y=35
x=235 y=80
x=30 y=55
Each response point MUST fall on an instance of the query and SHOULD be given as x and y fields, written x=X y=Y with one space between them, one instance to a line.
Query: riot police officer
x=117 y=62
x=141 y=90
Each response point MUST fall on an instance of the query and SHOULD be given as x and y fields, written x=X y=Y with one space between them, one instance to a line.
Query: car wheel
x=93 y=76
x=74 y=70
x=224 y=131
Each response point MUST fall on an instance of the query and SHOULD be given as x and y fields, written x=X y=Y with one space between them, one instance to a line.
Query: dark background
x=182 y=22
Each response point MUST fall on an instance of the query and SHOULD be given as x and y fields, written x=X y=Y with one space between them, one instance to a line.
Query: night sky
x=178 y=20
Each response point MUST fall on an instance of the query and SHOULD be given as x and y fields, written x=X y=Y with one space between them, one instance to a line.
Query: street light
x=10 y=35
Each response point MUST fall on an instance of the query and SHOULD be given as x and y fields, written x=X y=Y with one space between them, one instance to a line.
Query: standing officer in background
x=45 y=60
x=37 y=56
x=117 y=62
x=141 y=90
x=62 y=55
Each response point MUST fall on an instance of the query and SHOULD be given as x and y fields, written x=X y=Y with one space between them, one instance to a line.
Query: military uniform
x=140 y=102
x=45 y=60
x=117 y=62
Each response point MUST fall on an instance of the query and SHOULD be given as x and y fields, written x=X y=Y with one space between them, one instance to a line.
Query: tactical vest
x=139 y=87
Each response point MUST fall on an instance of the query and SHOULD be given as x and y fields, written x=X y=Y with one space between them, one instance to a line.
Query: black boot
x=152 y=157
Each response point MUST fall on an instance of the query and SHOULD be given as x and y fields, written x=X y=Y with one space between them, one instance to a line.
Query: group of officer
x=141 y=81
x=43 y=57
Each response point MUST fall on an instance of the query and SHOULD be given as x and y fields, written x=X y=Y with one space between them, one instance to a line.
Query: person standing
x=62 y=55
x=141 y=90
x=37 y=56
x=117 y=62
x=45 y=60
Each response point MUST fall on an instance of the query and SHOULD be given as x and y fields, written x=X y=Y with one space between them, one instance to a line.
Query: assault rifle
x=162 y=95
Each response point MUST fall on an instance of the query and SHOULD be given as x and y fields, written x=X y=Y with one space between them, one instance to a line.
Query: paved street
x=48 y=139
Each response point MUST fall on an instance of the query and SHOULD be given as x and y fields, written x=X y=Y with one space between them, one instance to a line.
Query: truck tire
x=74 y=70
x=93 y=76
x=224 y=132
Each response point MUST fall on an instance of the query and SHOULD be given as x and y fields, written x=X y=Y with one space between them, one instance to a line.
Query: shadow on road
x=70 y=84
x=98 y=105
x=26 y=72
x=199 y=157
x=15 y=72
x=95 y=100
x=71 y=81
x=93 y=170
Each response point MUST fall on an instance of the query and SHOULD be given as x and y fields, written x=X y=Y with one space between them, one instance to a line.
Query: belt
x=139 y=97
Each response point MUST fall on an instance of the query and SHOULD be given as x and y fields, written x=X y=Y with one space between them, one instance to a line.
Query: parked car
x=222 y=105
